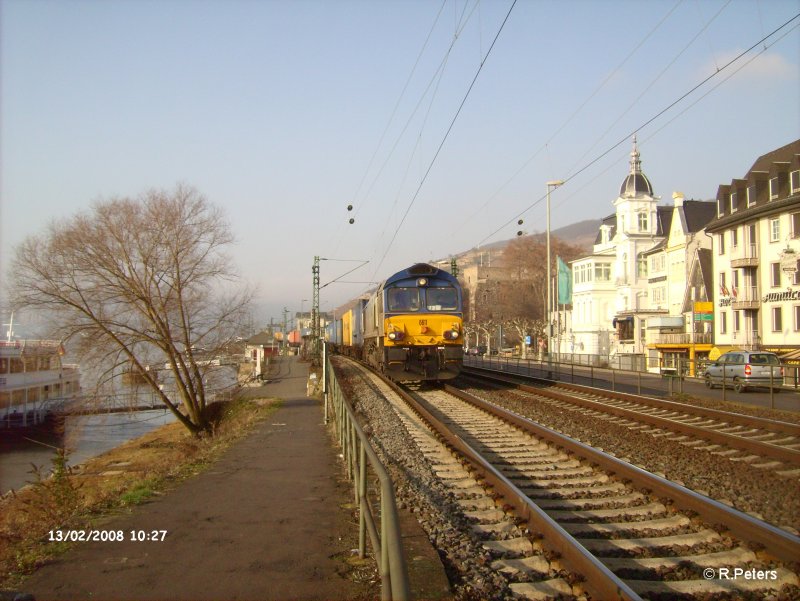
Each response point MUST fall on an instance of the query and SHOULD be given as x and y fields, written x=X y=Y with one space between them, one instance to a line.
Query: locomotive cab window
x=441 y=299
x=403 y=299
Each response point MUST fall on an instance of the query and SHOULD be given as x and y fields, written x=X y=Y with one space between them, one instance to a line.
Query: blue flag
x=564 y=283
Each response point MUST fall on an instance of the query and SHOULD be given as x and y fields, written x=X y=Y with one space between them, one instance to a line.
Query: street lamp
x=551 y=184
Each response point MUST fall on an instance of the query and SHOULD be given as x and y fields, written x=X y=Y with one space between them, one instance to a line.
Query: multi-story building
x=756 y=246
x=680 y=285
x=610 y=286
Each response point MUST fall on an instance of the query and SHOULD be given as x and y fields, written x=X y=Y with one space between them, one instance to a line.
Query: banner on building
x=564 y=283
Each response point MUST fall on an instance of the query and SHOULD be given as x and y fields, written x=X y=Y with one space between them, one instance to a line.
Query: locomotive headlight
x=450 y=334
x=395 y=335
x=422 y=282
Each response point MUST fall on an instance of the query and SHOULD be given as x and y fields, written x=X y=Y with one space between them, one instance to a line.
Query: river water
x=84 y=437
x=91 y=435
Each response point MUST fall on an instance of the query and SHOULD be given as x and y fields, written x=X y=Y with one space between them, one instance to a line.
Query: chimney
x=678 y=198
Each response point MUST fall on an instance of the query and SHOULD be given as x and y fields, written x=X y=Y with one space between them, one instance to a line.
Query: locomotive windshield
x=403 y=299
x=441 y=299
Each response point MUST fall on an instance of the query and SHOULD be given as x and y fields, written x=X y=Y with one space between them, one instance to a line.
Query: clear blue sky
x=277 y=110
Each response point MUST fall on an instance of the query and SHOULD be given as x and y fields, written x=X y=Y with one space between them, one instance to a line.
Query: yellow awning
x=717 y=351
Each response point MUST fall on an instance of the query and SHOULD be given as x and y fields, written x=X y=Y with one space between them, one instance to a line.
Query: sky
x=439 y=122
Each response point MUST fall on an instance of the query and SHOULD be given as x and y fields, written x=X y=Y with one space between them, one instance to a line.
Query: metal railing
x=683 y=338
x=357 y=453
x=666 y=379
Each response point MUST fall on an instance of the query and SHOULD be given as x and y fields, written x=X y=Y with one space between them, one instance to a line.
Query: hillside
x=581 y=234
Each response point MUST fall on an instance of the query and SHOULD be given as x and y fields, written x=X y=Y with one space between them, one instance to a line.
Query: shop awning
x=790 y=356
x=617 y=320
x=718 y=351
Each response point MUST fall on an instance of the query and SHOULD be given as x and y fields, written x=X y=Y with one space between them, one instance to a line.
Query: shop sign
x=786 y=295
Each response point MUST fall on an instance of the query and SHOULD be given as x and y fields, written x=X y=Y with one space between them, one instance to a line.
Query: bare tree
x=140 y=282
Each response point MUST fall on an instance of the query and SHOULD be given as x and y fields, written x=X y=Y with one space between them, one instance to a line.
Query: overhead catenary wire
x=667 y=108
x=649 y=86
x=446 y=135
x=578 y=110
x=436 y=75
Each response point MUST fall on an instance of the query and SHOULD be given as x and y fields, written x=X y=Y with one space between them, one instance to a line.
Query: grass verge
x=111 y=483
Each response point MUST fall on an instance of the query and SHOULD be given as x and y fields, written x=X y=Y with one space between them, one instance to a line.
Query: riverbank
x=110 y=484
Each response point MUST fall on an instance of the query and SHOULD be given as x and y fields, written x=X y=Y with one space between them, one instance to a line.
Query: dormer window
x=773 y=188
x=794 y=181
x=720 y=210
x=751 y=195
x=733 y=202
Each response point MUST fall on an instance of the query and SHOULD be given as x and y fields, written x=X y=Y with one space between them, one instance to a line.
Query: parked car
x=745 y=369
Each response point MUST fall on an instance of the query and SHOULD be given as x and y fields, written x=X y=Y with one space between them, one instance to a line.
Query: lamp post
x=551 y=184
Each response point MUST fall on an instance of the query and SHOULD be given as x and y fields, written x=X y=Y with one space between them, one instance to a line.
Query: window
x=441 y=299
x=794 y=181
x=794 y=224
x=751 y=195
x=774 y=230
x=403 y=299
x=602 y=272
x=773 y=188
x=735 y=282
x=723 y=322
x=643 y=221
x=734 y=237
x=797 y=318
x=641 y=267
x=777 y=319
x=723 y=289
x=751 y=237
x=720 y=211
x=721 y=243
x=733 y=202
x=775 y=274
x=736 y=323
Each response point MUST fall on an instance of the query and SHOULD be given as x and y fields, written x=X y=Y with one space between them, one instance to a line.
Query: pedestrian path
x=268 y=521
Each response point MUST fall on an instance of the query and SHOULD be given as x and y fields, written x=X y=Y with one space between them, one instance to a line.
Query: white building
x=609 y=293
x=756 y=246
x=680 y=286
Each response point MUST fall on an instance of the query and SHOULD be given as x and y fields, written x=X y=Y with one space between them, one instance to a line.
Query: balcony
x=746 y=298
x=748 y=258
x=747 y=339
x=685 y=338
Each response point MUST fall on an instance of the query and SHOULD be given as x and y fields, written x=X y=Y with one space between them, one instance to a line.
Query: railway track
x=560 y=518
x=762 y=443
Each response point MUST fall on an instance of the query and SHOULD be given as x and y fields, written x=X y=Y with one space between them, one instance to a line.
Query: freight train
x=410 y=328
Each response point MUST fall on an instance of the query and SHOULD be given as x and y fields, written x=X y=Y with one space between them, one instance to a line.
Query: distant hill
x=582 y=234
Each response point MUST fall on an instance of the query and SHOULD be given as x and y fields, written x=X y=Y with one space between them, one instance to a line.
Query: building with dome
x=611 y=307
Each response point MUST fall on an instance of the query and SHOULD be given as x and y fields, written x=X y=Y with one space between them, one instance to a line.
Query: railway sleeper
x=600 y=546
x=611 y=529
x=784 y=577
x=612 y=494
x=559 y=473
x=732 y=557
x=650 y=509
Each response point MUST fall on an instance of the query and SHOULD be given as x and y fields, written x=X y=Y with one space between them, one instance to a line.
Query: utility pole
x=285 y=332
x=454 y=267
x=315 y=311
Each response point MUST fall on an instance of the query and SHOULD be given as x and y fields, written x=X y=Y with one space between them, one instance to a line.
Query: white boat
x=33 y=380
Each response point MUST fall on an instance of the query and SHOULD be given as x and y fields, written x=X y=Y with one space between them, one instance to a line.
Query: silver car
x=744 y=369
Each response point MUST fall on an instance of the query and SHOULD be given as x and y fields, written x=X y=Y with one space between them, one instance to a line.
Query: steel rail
x=775 y=541
x=601 y=582
x=734 y=418
x=735 y=441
